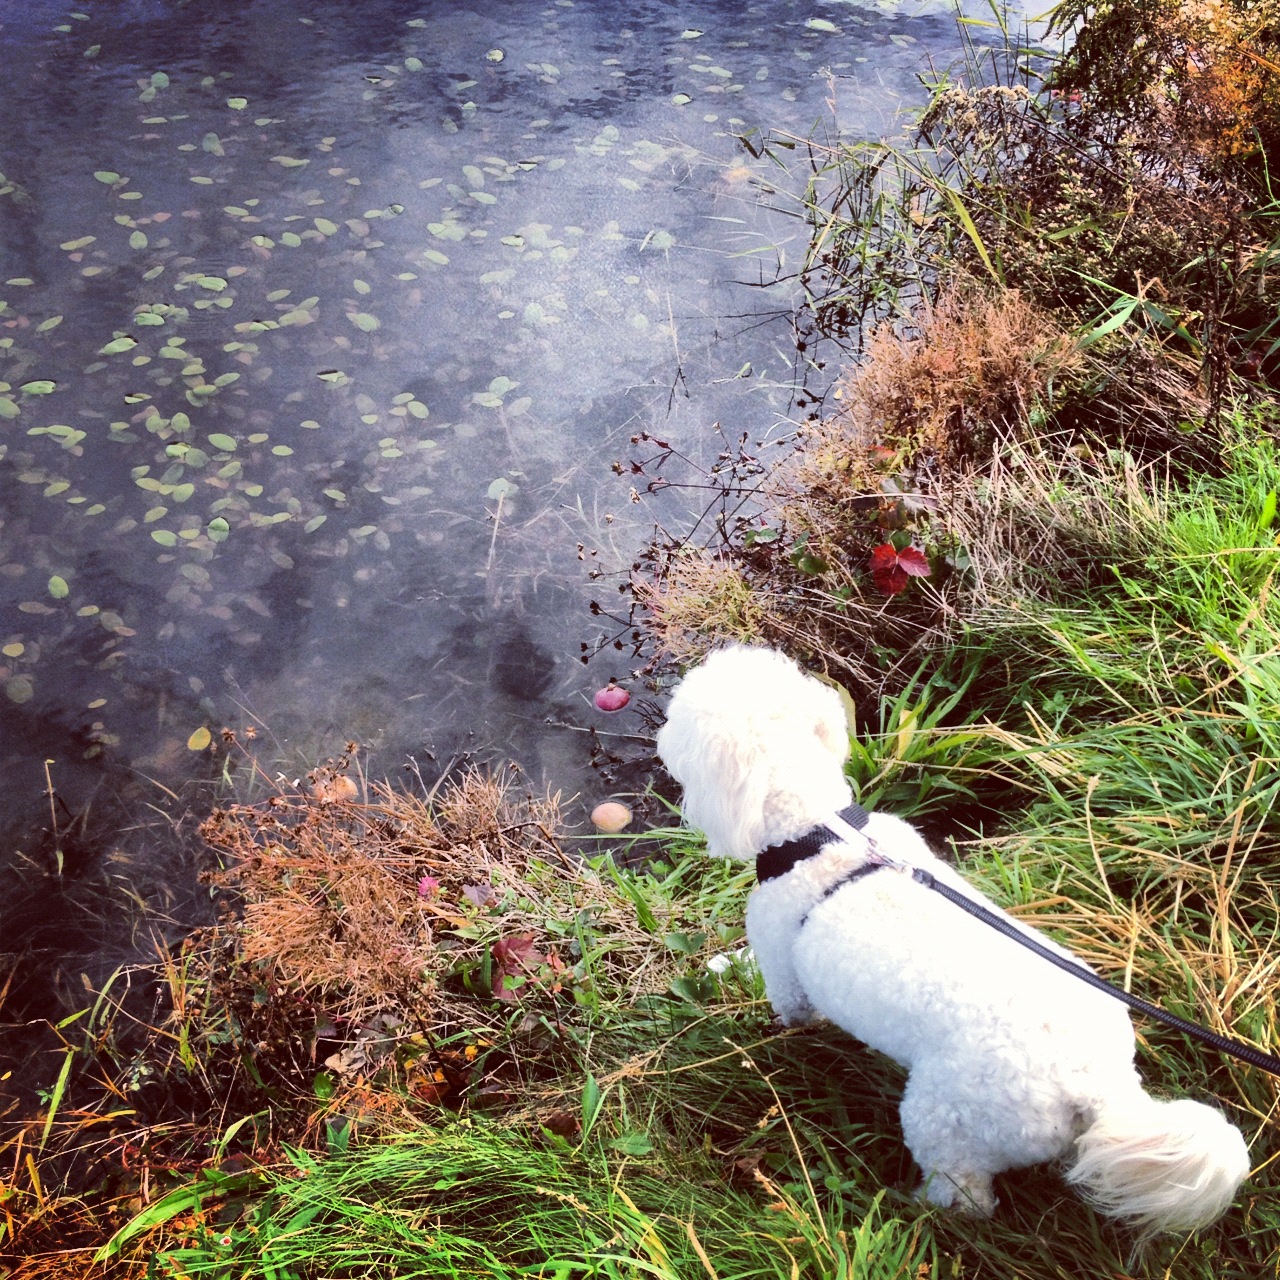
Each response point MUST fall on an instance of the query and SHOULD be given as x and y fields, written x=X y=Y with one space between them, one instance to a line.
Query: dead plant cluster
x=1137 y=170
x=380 y=954
x=917 y=419
x=1199 y=74
x=407 y=905
x=935 y=394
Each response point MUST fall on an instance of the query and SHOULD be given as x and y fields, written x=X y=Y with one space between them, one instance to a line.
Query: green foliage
x=478 y=1200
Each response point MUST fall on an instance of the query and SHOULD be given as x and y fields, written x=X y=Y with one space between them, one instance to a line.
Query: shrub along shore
x=1034 y=537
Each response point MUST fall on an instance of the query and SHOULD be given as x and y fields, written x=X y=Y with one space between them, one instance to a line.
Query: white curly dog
x=1011 y=1061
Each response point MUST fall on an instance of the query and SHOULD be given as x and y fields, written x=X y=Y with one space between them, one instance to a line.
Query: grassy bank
x=1035 y=538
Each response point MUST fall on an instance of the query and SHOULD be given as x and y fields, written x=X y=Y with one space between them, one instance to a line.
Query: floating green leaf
x=237 y=104
x=118 y=345
x=223 y=442
x=39 y=387
x=58 y=588
x=106 y=175
x=19 y=689
x=200 y=739
x=822 y=24
x=218 y=529
x=51 y=323
x=363 y=321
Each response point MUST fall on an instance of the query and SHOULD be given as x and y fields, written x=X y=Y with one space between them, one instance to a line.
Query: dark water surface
x=320 y=326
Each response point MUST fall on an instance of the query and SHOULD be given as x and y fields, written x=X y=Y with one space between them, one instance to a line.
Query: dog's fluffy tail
x=1160 y=1166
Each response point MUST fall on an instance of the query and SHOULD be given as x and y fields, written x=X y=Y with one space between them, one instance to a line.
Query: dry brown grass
x=402 y=904
x=970 y=366
x=920 y=418
x=700 y=600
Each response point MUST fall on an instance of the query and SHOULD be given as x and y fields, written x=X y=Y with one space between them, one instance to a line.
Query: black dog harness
x=778 y=859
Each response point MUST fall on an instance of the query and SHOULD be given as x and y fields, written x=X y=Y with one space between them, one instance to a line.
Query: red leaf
x=913 y=563
x=512 y=953
x=511 y=956
x=892 y=569
x=884 y=557
x=890 y=581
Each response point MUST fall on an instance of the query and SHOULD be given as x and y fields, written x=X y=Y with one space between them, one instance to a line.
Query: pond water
x=320 y=328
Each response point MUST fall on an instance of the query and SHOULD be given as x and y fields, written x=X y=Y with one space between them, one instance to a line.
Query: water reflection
x=319 y=333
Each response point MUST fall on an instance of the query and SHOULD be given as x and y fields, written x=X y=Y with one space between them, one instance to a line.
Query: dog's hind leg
x=940 y=1132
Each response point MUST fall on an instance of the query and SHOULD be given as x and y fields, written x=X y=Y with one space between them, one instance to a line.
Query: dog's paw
x=969 y=1193
x=797 y=1016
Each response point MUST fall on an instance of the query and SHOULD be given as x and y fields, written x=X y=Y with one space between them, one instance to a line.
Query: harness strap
x=778 y=859
x=874 y=864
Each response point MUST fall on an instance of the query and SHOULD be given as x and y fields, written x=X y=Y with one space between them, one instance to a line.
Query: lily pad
x=19 y=689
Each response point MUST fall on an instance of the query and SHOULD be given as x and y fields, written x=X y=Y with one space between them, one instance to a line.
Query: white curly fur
x=1011 y=1060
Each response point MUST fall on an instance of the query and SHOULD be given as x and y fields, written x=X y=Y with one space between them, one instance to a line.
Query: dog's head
x=758 y=747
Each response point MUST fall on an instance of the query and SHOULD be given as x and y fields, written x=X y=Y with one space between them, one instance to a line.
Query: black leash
x=778 y=859
x=1236 y=1048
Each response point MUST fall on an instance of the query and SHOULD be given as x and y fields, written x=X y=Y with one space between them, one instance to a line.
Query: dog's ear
x=835 y=716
